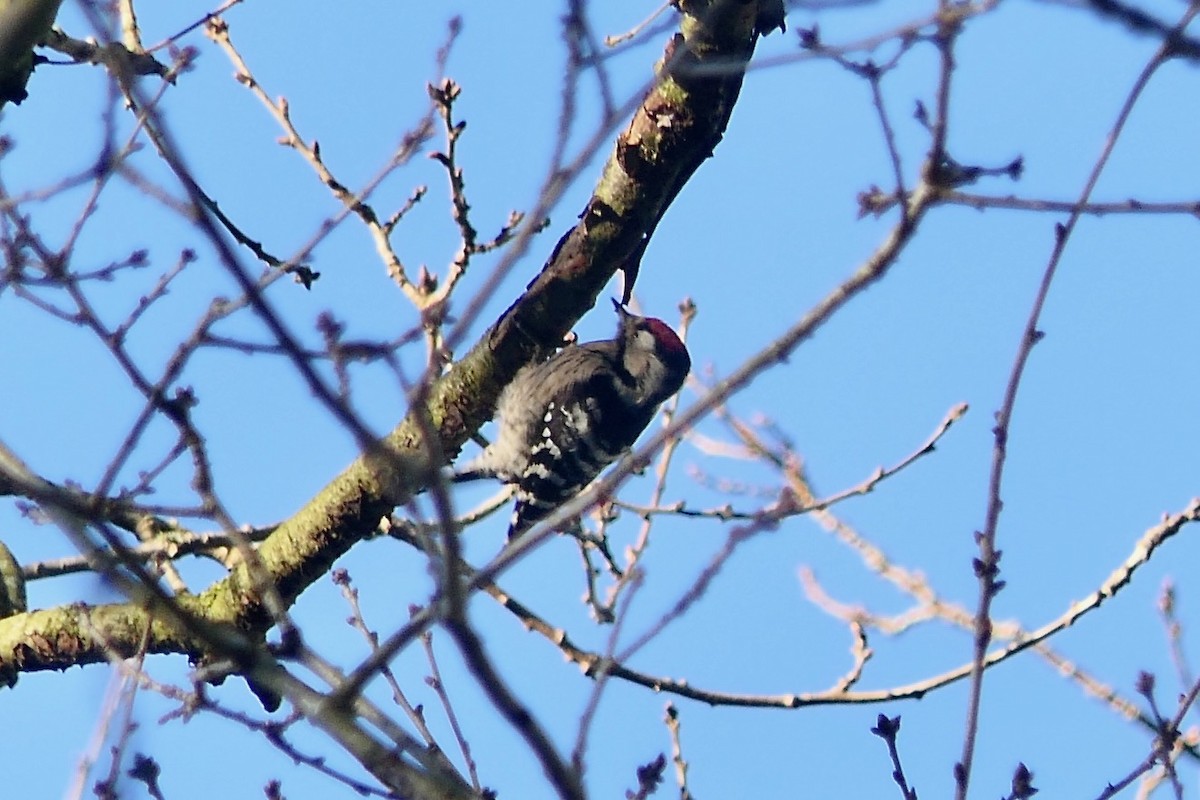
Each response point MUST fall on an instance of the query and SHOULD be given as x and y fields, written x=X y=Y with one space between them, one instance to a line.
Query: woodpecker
x=563 y=420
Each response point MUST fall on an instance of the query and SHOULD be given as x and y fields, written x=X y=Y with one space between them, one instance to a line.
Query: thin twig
x=987 y=562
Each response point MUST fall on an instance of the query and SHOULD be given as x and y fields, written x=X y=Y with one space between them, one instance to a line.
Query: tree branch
x=678 y=124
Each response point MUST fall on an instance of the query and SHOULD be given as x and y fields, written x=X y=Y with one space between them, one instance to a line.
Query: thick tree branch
x=679 y=123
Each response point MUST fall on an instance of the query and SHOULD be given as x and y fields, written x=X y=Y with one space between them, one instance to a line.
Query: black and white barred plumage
x=564 y=420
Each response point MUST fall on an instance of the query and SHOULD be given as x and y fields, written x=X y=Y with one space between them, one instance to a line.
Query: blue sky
x=1103 y=440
